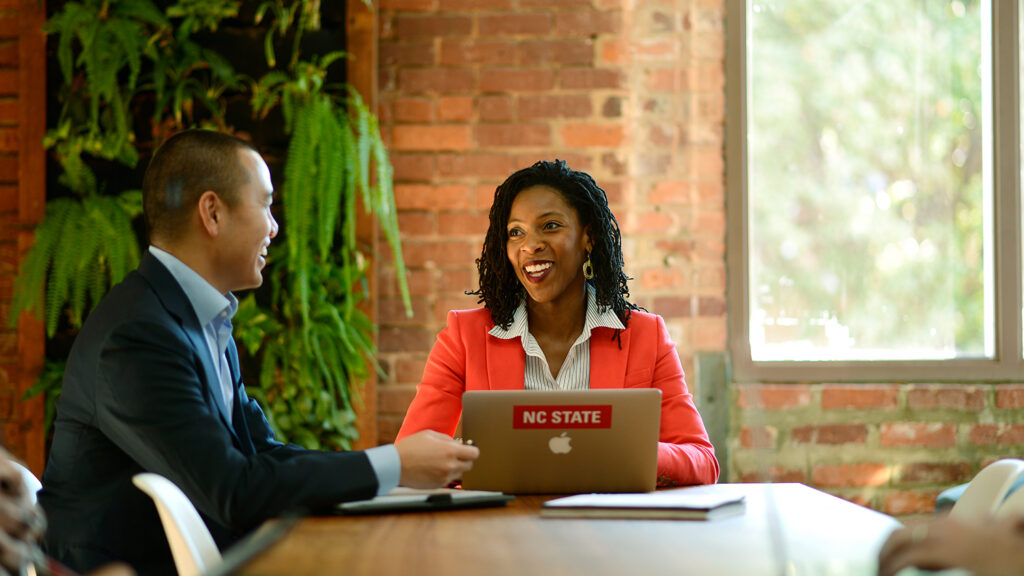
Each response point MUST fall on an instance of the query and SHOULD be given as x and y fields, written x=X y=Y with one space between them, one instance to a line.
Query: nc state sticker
x=577 y=416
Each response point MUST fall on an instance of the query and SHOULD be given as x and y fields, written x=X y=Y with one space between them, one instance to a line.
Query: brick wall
x=22 y=198
x=630 y=91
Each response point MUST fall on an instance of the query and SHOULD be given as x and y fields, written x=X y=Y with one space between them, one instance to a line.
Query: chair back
x=985 y=492
x=31 y=482
x=191 y=544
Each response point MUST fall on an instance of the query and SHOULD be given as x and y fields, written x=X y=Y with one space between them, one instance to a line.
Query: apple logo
x=560 y=444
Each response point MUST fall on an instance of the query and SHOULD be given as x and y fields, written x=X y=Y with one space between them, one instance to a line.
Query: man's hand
x=994 y=547
x=432 y=460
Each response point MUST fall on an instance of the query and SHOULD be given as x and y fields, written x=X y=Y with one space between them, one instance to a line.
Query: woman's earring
x=588 y=269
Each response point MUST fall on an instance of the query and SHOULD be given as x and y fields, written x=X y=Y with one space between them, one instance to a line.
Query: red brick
x=9 y=111
x=848 y=475
x=417 y=110
x=661 y=279
x=592 y=78
x=511 y=24
x=391 y=312
x=439 y=137
x=462 y=223
x=417 y=223
x=656 y=49
x=496 y=108
x=420 y=281
x=1009 y=397
x=673 y=306
x=440 y=80
x=409 y=370
x=474 y=165
x=8 y=167
x=8 y=198
x=440 y=253
x=554 y=4
x=554 y=106
x=593 y=135
x=615 y=51
x=679 y=248
x=563 y=52
x=387 y=428
x=907 y=502
x=395 y=399
x=859 y=397
x=587 y=23
x=458 y=281
x=949 y=397
x=412 y=26
x=946 y=473
x=762 y=437
x=669 y=192
x=8 y=25
x=710 y=306
x=455 y=109
x=513 y=135
x=516 y=80
x=475 y=5
x=1003 y=434
x=427 y=197
x=773 y=474
x=927 y=434
x=417 y=53
x=8 y=82
x=406 y=339
x=407 y=5
x=487 y=52
x=8 y=344
x=830 y=434
x=9 y=54
x=412 y=166
x=774 y=396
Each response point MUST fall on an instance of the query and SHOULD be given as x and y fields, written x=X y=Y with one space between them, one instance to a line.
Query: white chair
x=31 y=482
x=191 y=544
x=986 y=491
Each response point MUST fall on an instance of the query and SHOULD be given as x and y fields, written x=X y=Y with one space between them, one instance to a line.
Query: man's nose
x=273 y=227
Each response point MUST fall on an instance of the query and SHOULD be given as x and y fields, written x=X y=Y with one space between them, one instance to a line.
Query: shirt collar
x=206 y=301
x=597 y=317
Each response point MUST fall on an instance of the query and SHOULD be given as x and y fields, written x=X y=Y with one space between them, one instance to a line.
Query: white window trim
x=1008 y=364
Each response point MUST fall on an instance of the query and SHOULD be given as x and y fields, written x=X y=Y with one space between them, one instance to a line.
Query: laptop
x=561 y=442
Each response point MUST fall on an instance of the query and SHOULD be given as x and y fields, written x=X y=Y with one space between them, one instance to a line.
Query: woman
x=556 y=317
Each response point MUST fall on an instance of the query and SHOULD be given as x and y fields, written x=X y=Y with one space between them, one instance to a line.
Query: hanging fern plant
x=117 y=57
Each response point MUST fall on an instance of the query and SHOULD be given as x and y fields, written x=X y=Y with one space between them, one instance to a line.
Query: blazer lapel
x=607 y=362
x=241 y=425
x=177 y=303
x=506 y=363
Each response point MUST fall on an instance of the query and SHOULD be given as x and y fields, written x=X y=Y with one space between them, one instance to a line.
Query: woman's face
x=546 y=244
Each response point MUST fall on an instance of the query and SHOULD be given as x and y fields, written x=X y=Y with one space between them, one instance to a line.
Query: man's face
x=247 y=228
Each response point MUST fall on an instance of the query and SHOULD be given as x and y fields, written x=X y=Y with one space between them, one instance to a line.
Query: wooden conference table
x=814 y=533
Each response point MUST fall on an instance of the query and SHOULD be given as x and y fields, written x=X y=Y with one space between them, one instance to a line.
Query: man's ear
x=210 y=211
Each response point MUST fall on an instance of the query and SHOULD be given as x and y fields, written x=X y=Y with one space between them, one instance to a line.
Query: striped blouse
x=575 y=371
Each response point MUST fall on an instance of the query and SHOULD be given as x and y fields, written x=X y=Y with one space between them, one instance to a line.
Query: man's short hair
x=186 y=165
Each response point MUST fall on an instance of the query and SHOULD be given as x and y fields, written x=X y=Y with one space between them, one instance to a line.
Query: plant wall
x=133 y=72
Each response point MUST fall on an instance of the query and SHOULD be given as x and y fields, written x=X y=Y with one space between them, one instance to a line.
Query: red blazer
x=466 y=357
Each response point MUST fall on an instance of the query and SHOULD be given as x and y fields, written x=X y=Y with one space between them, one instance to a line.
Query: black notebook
x=409 y=500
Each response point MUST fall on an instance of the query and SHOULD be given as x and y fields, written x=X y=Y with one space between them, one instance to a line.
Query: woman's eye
x=513 y=233
x=551 y=225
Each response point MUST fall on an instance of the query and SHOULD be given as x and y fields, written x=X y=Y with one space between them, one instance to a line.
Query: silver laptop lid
x=560 y=442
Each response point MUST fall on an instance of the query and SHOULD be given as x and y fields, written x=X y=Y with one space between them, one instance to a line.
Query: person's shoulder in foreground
x=551 y=278
x=153 y=382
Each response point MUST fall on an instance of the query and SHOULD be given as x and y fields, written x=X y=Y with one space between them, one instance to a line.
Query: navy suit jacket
x=141 y=394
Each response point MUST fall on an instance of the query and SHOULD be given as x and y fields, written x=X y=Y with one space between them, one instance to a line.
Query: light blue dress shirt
x=214 y=312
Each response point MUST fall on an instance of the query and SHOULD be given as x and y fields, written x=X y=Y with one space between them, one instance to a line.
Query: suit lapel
x=506 y=363
x=241 y=425
x=177 y=303
x=607 y=362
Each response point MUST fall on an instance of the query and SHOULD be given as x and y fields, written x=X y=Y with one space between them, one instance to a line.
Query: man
x=152 y=383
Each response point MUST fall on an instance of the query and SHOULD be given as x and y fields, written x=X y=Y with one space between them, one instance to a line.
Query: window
x=874 y=206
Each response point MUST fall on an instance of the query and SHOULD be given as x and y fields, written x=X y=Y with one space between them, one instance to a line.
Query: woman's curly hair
x=500 y=290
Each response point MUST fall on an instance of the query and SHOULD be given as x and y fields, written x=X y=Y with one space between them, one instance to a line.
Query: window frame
x=1008 y=361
